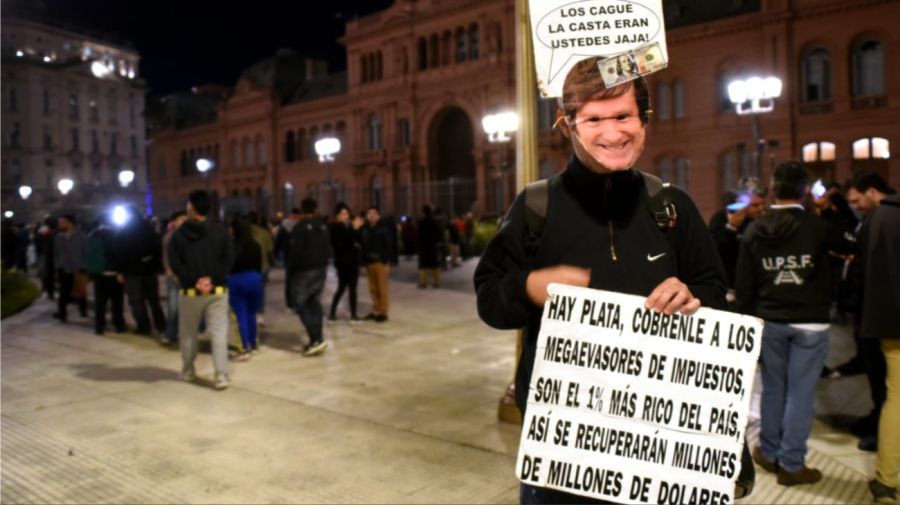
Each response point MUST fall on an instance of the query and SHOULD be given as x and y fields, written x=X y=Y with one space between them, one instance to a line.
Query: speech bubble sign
x=566 y=32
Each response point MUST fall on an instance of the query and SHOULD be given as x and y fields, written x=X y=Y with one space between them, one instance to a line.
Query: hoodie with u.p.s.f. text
x=783 y=273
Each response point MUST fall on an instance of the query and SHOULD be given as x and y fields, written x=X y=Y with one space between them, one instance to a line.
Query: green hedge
x=483 y=233
x=16 y=292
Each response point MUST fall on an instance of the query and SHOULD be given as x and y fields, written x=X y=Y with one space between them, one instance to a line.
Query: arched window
x=289 y=147
x=868 y=69
x=461 y=51
x=662 y=100
x=311 y=142
x=373 y=132
x=446 y=47
x=377 y=192
x=301 y=145
x=496 y=38
x=682 y=173
x=473 y=41
x=728 y=172
x=248 y=153
x=434 y=56
x=422 y=53
x=678 y=98
x=664 y=168
x=379 y=71
x=818 y=158
x=871 y=148
x=872 y=154
x=261 y=157
x=816 y=76
x=364 y=68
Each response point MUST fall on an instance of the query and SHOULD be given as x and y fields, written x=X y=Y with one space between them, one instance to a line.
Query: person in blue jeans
x=245 y=284
x=783 y=276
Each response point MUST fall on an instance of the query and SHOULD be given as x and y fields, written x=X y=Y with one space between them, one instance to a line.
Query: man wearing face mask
x=599 y=232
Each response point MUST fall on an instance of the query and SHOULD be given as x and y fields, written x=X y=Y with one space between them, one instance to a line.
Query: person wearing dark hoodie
x=784 y=277
x=598 y=233
x=307 y=261
x=107 y=287
x=346 y=242
x=137 y=256
x=200 y=256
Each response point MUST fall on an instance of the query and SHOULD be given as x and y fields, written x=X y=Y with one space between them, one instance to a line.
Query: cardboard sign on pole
x=630 y=34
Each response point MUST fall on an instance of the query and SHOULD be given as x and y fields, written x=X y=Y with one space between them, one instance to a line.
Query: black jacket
x=346 y=243
x=727 y=242
x=376 y=244
x=200 y=249
x=783 y=272
x=136 y=249
x=310 y=246
x=590 y=216
x=881 y=239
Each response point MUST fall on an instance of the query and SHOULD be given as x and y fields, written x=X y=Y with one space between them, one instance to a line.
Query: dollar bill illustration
x=630 y=65
x=650 y=58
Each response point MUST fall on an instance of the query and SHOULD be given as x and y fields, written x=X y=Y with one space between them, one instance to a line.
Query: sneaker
x=222 y=382
x=381 y=318
x=882 y=493
x=355 y=320
x=188 y=375
x=316 y=348
x=242 y=356
x=761 y=460
x=805 y=475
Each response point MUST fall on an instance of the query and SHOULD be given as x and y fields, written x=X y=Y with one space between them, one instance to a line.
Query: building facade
x=422 y=74
x=72 y=108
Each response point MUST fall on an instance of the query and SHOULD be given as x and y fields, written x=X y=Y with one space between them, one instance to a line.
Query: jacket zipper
x=612 y=244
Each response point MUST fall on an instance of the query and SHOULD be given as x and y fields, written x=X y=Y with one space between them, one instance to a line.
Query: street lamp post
x=65 y=186
x=755 y=96
x=327 y=148
x=204 y=166
x=498 y=128
x=25 y=192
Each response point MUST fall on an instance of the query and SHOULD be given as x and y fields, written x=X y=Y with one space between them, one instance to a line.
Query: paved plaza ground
x=400 y=412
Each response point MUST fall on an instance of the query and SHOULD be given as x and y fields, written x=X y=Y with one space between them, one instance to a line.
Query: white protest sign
x=566 y=32
x=631 y=405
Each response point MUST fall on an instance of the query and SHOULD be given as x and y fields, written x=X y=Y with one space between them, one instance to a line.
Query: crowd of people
x=212 y=270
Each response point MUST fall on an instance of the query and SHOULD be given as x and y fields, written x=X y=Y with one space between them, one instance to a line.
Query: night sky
x=193 y=42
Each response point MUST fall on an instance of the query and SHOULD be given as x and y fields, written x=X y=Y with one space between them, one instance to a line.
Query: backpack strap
x=661 y=205
x=537 y=200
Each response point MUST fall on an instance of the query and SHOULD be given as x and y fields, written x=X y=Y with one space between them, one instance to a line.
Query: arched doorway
x=450 y=161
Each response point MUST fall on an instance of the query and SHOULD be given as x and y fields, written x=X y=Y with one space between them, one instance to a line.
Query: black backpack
x=658 y=200
x=309 y=245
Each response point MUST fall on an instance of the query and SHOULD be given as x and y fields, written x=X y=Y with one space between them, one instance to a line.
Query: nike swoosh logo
x=654 y=258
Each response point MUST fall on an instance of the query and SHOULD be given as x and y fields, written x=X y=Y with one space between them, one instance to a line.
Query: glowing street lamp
x=65 y=185
x=8 y=214
x=754 y=96
x=327 y=148
x=204 y=165
x=25 y=192
x=126 y=177
x=499 y=126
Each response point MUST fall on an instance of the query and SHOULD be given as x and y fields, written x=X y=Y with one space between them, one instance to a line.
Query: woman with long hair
x=245 y=284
